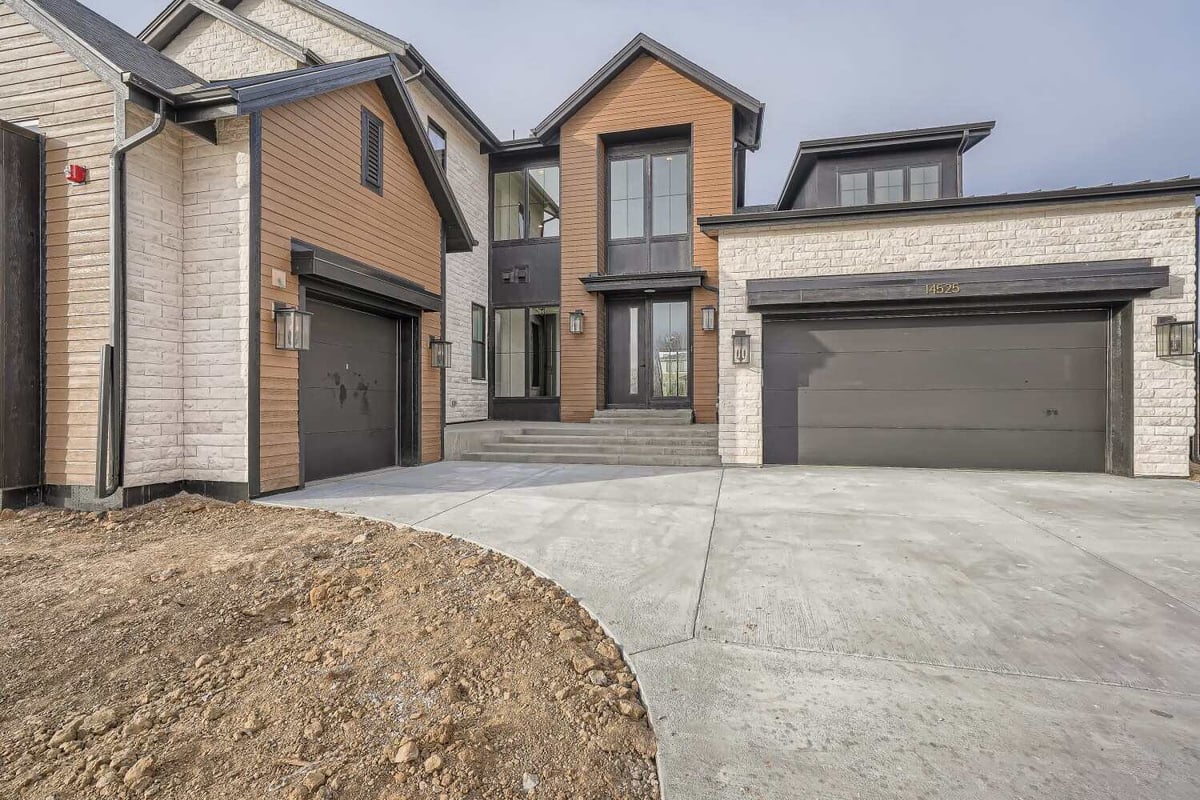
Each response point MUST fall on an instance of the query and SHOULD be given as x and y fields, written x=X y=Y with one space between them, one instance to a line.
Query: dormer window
x=852 y=188
x=925 y=183
x=891 y=185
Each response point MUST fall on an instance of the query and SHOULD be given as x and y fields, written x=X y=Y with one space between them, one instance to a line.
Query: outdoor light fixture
x=1175 y=338
x=741 y=347
x=708 y=318
x=575 y=321
x=293 y=327
x=439 y=353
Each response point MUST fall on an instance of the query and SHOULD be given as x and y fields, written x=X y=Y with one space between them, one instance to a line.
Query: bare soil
x=194 y=649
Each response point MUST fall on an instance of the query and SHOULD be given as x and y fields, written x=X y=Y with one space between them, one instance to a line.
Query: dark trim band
x=324 y=266
x=643 y=281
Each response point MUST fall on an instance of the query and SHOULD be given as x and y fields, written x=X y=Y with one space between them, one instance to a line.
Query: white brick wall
x=1161 y=229
x=154 y=443
x=213 y=52
x=216 y=275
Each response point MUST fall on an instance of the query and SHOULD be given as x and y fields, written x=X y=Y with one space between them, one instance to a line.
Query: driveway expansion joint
x=707 y=553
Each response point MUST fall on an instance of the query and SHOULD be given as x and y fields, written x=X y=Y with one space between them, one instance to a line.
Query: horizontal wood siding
x=74 y=110
x=647 y=94
x=311 y=190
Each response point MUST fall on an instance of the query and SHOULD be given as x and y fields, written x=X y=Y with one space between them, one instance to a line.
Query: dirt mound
x=193 y=649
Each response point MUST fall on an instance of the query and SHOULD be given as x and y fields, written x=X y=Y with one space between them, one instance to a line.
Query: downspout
x=110 y=424
x=416 y=75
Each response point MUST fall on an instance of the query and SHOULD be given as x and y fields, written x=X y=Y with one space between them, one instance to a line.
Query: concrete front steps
x=615 y=436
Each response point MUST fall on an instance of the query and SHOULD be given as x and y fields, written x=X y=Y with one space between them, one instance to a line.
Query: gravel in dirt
x=193 y=649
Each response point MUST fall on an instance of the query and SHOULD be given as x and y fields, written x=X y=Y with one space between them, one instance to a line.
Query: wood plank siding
x=647 y=94
x=312 y=191
x=74 y=110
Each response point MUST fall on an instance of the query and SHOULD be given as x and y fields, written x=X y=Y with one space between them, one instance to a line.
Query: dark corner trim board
x=1120 y=279
x=254 y=313
x=643 y=281
x=317 y=264
x=713 y=225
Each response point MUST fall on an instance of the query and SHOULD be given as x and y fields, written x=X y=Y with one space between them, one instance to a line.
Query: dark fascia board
x=645 y=45
x=809 y=151
x=643 y=281
x=177 y=16
x=246 y=96
x=256 y=31
x=320 y=264
x=1112 y=279
x=713 y=225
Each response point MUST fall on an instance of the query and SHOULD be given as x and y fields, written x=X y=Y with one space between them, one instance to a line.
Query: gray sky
x=1082 y=92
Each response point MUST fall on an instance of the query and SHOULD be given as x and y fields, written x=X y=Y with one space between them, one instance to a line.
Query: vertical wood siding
x=311 y=190
x=647 y=94
x=74 y=110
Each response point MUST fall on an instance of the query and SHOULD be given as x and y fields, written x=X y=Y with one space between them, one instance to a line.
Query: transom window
x=525 y=204
x=665 y=179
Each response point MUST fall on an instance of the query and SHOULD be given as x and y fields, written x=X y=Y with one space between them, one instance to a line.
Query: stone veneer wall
x=1161 y=229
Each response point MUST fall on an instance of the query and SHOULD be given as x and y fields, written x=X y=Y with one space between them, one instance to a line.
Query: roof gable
x=747 y=110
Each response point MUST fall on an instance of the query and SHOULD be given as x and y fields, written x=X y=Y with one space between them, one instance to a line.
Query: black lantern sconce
x=708 y=318
x=741 y=347
x=293 y=328
x=1174 y=339
x=575 y=321
x=439 y=353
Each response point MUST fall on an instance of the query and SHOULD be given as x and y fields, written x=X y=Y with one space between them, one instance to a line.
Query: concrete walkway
x=864 y=633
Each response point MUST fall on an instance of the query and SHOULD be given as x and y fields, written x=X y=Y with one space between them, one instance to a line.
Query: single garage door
x=349 y=392
x=1001 y=391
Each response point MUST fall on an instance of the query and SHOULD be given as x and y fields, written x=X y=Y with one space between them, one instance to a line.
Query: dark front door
x=649 y=352
x=349 y=391
x=986 y=391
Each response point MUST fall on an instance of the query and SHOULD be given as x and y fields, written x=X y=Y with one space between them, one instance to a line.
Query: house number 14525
x=942 y=288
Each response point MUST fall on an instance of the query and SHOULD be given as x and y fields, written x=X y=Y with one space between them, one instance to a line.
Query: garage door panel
x=1031 y=410
x=1070 y=451
x=1004 y=391
x=1085 y=368
x=971 y=332
x=353 y=367
x=330 y=454
x=325 y=410
x=338 y=325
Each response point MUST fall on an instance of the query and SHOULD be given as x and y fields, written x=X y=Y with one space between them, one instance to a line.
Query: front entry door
x=649 y=354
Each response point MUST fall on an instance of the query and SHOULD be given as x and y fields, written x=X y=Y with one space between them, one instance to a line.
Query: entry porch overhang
x=643 y=281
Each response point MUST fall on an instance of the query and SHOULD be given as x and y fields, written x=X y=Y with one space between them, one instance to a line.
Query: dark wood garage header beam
x=1089 y=281
x=338 y=270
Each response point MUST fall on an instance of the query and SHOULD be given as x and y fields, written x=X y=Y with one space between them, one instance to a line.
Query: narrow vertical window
x=543 y=202
x=669 y=188
x=925 y=183
x=626 y=199
x=852 y=188
x=437 y=139
x=372 y=151
x=508 y=206
x=478 y=342
x=510 y=352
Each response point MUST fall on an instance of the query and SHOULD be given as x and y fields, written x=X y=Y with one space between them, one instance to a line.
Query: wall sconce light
x=1174 y=338
x=293 y=327
x=708 y=318
x=575 y=321
x=741 y=347
x=439 y=353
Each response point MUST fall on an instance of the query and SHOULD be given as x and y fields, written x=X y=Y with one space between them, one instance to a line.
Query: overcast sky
x=1083 y=91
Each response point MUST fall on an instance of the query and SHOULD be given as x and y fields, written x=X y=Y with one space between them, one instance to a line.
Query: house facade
x=187 y=201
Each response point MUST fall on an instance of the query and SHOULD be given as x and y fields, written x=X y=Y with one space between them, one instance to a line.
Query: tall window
x=626 y=199
x=372 y=151
x=508 y=213
x=669 y=188
x=525 y=204
x=852 y=188
x=889 y=185
x=925 y=183
x=527 y=352
x=437 y=138
x=478 y=342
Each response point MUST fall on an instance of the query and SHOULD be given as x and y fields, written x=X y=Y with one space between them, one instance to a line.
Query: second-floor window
x=662 y=177
x=891 y=185
x=437 y=139
x=525 y=204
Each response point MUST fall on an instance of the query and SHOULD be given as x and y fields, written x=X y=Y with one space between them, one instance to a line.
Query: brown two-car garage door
x=1003 y=391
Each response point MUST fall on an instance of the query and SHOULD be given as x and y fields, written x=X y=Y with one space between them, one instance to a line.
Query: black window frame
x=371 y=122
x=647 y=152
x=479 y=370
x=525 y=223
x=432 y=128
x=906 y=169
x=530 y=360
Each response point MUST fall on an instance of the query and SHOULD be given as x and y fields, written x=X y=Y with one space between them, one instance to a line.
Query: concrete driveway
x=863 y=633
